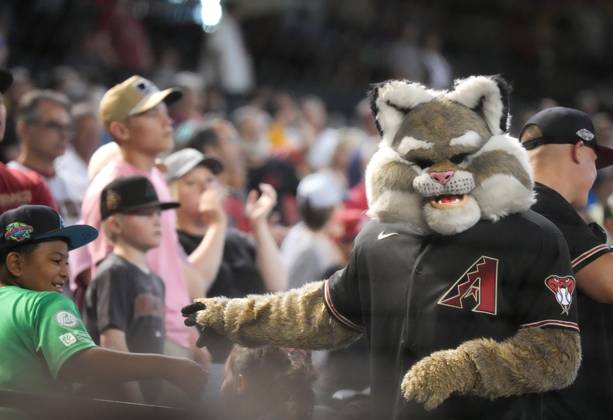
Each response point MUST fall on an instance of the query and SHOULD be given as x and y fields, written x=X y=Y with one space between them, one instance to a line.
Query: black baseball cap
x=561 y=125
x=6 y=80
x=130 y=194
x=30 y=224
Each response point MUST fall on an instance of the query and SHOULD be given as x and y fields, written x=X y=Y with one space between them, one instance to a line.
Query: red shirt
x=21 y=187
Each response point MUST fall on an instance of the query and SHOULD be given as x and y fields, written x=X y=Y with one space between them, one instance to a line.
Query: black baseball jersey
x=413 y=295
x=591 y=395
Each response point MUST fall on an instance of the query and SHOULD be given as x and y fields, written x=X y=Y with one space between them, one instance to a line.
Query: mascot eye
x=458 y=158
x=423 y=163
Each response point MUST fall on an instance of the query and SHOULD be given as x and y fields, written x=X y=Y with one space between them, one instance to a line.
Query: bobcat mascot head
x=445 y=160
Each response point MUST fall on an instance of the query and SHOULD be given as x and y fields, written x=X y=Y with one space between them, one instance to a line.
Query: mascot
x=455 y=282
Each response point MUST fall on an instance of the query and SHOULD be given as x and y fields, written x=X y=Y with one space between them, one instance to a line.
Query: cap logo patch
x=145 y=87
x=112 y=200
x=18 y=232
x=585 y=134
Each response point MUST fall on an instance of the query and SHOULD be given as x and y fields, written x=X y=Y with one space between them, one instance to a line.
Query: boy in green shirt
x=44 y=342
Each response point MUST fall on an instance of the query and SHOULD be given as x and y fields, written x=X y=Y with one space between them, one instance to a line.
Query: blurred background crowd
x=276 y=91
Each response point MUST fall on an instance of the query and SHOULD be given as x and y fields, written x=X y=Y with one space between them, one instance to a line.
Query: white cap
x=321 y=190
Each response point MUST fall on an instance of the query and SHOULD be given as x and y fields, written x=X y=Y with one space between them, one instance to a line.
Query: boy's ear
x=14 y=264
x=112 y=226
x=118 y=130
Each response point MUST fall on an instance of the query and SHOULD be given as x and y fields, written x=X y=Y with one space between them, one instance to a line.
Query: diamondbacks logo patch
x=18 y=232
x=562 y=288
x=478 y=285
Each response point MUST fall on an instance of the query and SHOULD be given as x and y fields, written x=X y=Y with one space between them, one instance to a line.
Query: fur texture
x=534 y=360
x=296 y=318
x=461 y=133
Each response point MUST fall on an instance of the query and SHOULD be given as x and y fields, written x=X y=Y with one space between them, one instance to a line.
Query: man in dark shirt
x=565 y=156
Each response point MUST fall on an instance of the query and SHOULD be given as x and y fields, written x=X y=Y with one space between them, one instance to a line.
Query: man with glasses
x=44 y=129
x=18 y=187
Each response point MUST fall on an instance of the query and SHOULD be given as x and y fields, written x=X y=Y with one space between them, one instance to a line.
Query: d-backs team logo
x=562 y=288
x=18 y=232
x=480 y=283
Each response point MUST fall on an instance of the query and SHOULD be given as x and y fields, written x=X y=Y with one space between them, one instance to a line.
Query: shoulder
x=108 y=174
x=552 y=205
x=111 y=267
x=379 y=235
x=45 y=302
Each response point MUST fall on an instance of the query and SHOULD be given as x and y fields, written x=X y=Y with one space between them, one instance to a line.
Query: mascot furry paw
x=449 y=279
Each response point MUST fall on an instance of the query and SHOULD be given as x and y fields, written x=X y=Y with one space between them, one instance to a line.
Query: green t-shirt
x=39 y=331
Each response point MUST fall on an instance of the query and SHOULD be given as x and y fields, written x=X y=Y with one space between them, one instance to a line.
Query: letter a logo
x=479 y=282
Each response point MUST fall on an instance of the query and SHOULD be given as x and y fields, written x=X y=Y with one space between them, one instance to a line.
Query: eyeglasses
x=55 y=126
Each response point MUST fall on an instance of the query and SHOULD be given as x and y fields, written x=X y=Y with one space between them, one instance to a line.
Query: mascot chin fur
x=454 y=281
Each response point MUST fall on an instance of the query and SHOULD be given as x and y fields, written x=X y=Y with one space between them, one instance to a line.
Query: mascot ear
x=488 y=96
x=390 y=101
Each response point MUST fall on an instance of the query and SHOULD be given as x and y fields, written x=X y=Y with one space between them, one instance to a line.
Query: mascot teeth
x=446 y=201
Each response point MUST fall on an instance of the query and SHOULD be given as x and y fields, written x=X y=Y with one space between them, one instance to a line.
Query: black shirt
x=591 y=395
x=413 y=295
x=238 y=274
x=123 y=296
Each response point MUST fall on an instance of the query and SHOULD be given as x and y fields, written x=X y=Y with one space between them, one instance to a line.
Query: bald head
x=570 y=169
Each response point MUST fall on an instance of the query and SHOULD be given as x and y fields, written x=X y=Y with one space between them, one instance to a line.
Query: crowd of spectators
x=270 y=187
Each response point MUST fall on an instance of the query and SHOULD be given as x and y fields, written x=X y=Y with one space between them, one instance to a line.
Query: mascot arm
x=533 y=360
x=296 y=318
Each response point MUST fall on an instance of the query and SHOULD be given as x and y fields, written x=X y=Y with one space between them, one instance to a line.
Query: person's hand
x=210 y=206
x=258 y=209
x=187 y=375
x=434 y=378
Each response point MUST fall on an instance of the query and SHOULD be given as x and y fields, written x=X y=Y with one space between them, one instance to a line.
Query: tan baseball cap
x=133 y=96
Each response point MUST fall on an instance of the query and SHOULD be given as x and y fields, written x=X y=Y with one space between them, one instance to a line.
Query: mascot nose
x=441 y=177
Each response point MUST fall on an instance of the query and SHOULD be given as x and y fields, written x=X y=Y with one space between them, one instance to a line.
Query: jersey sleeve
x=59 y=330
x=115 y=300
x=586 y=243
x=342 y=297
x=547 y=298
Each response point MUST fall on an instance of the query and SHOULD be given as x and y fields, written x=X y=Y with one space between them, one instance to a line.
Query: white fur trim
x=501 y=195
x=469 y=139
x=409 y=143
x=398 y=206
x=511 y=145
x=469 y=91
x=382 y=156
x=402 y=94
x=453 y=220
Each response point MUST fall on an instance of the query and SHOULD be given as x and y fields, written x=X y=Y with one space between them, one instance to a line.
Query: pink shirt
x=165 y=260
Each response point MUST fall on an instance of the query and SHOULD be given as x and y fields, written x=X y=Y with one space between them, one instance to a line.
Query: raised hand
x=210 y=205
x=258 y=209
